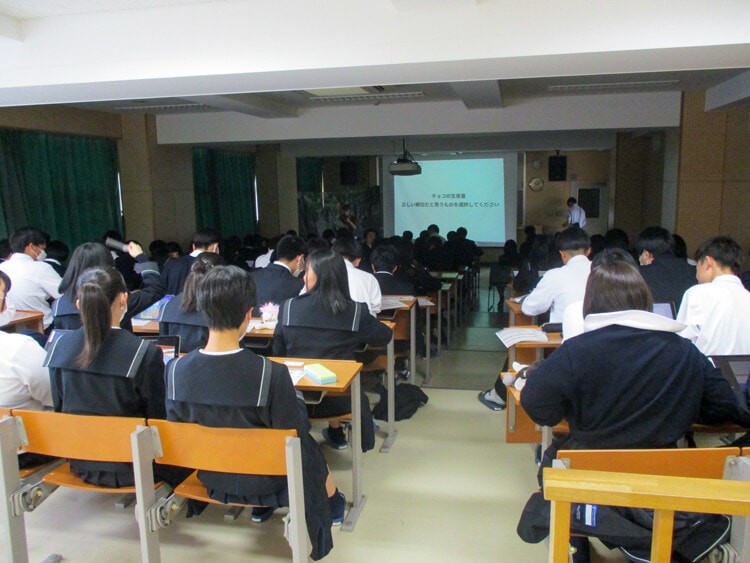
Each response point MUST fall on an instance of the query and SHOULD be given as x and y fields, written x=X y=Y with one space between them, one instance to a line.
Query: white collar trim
x=633 y=319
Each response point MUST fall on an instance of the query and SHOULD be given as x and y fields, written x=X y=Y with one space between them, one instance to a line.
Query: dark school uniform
x=125 y=379
x=244 y=390
x=274 y=284
x=65 y=312
x=190 y=326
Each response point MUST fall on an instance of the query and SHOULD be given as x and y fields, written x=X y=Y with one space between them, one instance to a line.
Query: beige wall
x=58 y=119
x=276 y=174
x=714 y=173
x=546 y=209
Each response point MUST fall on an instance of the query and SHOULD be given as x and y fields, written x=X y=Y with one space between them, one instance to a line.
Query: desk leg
x=358 y=499
x=428 y=350
x=413 y=343
x=511 y=420
x=392 y=432
x=439 y=321
x=448 y=320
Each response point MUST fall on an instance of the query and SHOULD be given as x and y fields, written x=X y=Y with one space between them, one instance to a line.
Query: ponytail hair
x=96 y=290
x=201 y=266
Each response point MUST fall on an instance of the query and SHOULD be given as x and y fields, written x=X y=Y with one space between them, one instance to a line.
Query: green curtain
x=223 y=183
x=63 y=184
x=309 y=174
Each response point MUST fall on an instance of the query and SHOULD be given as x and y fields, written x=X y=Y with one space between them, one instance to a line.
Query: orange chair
x=95 y=438
x=274 y=452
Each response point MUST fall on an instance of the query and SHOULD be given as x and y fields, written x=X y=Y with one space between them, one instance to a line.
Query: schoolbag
x=408 y=399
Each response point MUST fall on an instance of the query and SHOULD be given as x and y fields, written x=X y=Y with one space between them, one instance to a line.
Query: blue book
x=153 y=312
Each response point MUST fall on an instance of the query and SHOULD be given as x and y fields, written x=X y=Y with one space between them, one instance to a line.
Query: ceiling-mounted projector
x=405 y=165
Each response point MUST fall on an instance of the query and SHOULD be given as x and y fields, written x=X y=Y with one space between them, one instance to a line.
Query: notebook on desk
x=735 y=369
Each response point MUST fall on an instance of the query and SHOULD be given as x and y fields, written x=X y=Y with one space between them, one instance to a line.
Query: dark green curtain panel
x=66 y=185
x=224 y=196
x=309 y=174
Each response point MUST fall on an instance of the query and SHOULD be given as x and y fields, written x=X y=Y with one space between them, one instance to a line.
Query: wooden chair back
x=94 y=438
x=663 y=494
x=253 y=451
x=680 y=462
x=223 y=449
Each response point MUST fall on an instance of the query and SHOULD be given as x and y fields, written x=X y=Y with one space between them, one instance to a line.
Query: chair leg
x=13 y=526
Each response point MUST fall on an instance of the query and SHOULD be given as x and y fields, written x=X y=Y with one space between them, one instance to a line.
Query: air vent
x=611 y=86
x=165 y=107
x=367 y=97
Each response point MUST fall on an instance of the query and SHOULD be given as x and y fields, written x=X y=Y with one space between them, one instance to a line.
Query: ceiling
x=474 y=94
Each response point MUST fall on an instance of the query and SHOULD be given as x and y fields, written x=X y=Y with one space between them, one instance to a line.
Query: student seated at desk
x=95 y=254
x=384 y=260
x=24 y=381
x=325 y=323
x=629 y=381
x=102 y=370
x=180 y=316
x=225 y=385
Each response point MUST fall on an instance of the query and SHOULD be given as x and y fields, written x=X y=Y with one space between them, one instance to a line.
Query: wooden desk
x=516 y=317
x=144 y=327
x=530 y=352
x=347 y=376
x=25 y=320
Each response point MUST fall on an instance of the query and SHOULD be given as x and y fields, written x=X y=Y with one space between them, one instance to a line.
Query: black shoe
x=261 y=514
x=335 y=438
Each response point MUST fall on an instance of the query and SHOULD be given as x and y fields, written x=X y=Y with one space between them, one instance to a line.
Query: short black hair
x=655 y=240
x=224 y=295
x=206 y=237
x=724 y=250
x=572 y=238
x=384 y=257
x=347 y=247
x=572 y=200
x=289 y=247
x=57 y=250
x=25 y=236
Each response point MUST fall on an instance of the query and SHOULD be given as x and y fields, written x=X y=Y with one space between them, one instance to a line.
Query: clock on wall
x=536 y=184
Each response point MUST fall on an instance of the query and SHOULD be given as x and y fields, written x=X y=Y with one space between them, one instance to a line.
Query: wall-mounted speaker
x=558 y=168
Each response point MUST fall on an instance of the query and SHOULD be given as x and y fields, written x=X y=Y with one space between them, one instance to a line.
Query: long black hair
x=97 y=289
x=332 y=285
x=85 y=256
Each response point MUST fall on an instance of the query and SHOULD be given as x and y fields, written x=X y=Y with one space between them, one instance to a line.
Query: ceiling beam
x=10 y=28
x=480 y=94
x=730 y=93
x=411 y=5
x=250 y=104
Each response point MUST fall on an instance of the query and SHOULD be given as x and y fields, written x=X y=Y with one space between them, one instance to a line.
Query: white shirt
x=717 y=316
x=576 y=214
x=32 y=284
x=24 y=383
x=364 y=287
x=572 y=324
x=558 y=288
x=264 y=259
